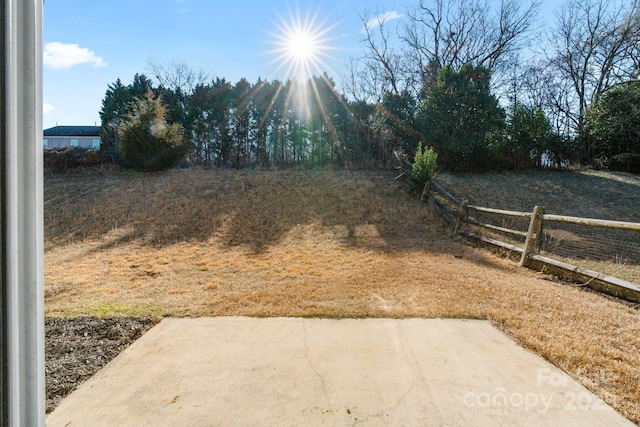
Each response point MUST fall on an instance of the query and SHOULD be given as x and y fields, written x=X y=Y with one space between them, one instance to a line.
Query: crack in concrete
x=417 y=377
x=389 y=409
x=316 y=371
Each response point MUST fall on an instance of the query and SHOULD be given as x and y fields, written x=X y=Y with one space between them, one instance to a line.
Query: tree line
x=460 y=76
x=241 y=124
x=567 y=92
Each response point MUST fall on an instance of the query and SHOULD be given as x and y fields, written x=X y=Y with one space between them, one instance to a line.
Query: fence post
x=531 y=243
x=462 y=215
x=425 y=190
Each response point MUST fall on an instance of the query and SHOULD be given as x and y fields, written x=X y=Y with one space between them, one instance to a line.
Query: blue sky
x=89 y=44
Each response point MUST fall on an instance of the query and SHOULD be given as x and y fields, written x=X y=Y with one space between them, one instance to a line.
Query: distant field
x=326 y=243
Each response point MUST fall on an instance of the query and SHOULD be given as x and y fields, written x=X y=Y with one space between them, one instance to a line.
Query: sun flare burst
x=302 y=46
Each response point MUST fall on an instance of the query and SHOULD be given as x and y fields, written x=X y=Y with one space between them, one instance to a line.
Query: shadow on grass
x=257 y=209
x=253 y=209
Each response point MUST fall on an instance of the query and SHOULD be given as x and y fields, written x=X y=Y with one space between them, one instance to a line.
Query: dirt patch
x=76 y=348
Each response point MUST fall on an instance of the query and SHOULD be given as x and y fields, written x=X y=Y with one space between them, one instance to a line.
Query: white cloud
x=47 y=108
x=63 y=56
x=183 y=10
x=381 y=19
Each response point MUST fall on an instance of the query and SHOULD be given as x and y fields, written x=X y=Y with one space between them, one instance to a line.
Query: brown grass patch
x=330 y=243
x=592 y=194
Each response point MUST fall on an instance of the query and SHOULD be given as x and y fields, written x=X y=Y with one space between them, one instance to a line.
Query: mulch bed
x=76 y=348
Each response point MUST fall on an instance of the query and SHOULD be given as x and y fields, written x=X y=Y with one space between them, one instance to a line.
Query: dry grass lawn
x=298 y=243
x=587 y=193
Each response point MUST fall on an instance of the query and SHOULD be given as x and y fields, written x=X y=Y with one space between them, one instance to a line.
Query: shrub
x=424 y=165
x=628 y=162
x=58 y=160
x=147 y=142
x=526 y=139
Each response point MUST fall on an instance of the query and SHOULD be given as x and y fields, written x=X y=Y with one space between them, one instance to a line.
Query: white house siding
x=72 y=136
x=66 y=141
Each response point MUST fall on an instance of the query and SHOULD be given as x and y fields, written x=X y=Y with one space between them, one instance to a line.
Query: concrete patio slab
x=237 y=371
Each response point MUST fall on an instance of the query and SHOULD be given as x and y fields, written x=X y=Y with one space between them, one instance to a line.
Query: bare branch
x=177 y=76
x=595 y=47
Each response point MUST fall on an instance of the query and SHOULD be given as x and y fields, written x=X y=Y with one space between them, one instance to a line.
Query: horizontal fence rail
x=527 y=234
x=590 y=222
x=404 y=167
x=613 y=281
x=495 y=242
x=497 y=228
x=526 y=215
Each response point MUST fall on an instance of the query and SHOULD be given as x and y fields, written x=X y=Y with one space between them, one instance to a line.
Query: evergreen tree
x=266 y=123
x=462 y=120
x=147 y=142
x=613 y=127
x=241 y=118
x=140 y=86
x=264 y=97
x=527 y=138
x=115 y=107
x=396 y=122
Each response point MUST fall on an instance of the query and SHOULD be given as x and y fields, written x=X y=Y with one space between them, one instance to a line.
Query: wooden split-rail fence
x=525 y=245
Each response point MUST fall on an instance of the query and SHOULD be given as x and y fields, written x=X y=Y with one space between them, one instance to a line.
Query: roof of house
x=73 y=131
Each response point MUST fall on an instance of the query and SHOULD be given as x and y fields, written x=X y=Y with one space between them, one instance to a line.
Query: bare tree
x=360 y=83
x=595 y=46
x=177 y=76
x=384 y=65
x=457 y=32
x=438 y=33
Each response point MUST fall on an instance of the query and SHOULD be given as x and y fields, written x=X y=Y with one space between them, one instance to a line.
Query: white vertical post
x=23 y=211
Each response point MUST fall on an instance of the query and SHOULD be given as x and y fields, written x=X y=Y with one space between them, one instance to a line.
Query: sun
x=302 y=46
